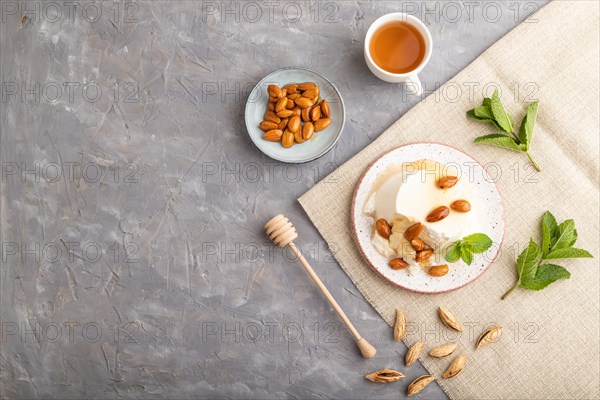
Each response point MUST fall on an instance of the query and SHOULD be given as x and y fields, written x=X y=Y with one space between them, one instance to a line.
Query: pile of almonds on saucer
x=294 y=113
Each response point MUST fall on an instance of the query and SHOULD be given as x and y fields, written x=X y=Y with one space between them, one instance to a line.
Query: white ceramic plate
x=491 y=221
x=321 y=142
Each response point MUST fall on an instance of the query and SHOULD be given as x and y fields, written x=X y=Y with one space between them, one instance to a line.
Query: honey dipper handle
x=365 y=347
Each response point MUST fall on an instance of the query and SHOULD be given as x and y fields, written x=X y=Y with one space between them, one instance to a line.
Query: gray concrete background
x=134 y=263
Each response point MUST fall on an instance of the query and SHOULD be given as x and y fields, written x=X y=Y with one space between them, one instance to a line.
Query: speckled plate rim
x=362 y=251
x=311 y=158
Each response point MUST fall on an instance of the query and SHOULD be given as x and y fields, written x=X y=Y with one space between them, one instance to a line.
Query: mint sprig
x=465 y=248
x=557 y=243
x=493 y=112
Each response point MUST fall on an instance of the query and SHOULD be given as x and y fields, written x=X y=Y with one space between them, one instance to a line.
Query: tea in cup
x=397 y=48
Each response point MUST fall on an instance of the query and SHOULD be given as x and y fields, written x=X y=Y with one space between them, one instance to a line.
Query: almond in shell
x=455 y=367
x=400 y=325
x=419 y=384
x=489 y=336
x=412 y=355
x=449 y=319
x=443 y=350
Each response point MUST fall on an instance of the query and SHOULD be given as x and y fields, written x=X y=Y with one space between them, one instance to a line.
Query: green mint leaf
x=492 y=112
x=549 y=227
x=471 y=115
x=466 y=254
x=478 y=242
x=500 y=114
x=545 y=275
x=465 y=248
x=557 y=242
x=500 y=140
x=566 y=236
x=453 y=253
x=528 y=261
x=526 y=129
x=569 y=252
x=483 y=112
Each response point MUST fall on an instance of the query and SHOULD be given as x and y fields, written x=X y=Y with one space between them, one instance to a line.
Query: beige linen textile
x=550 y=344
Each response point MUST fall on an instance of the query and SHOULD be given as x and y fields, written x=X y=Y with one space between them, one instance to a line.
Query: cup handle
x=413 y=85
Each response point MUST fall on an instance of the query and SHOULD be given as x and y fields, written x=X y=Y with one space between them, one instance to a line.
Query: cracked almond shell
x=384 y=376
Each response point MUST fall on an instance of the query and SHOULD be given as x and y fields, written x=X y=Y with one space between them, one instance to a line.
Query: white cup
x=413 y=84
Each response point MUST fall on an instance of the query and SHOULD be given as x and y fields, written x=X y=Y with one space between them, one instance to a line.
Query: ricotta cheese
x=419 y=195
x=404 y=196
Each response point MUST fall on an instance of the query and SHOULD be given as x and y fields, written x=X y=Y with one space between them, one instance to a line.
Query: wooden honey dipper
x=281 y=231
